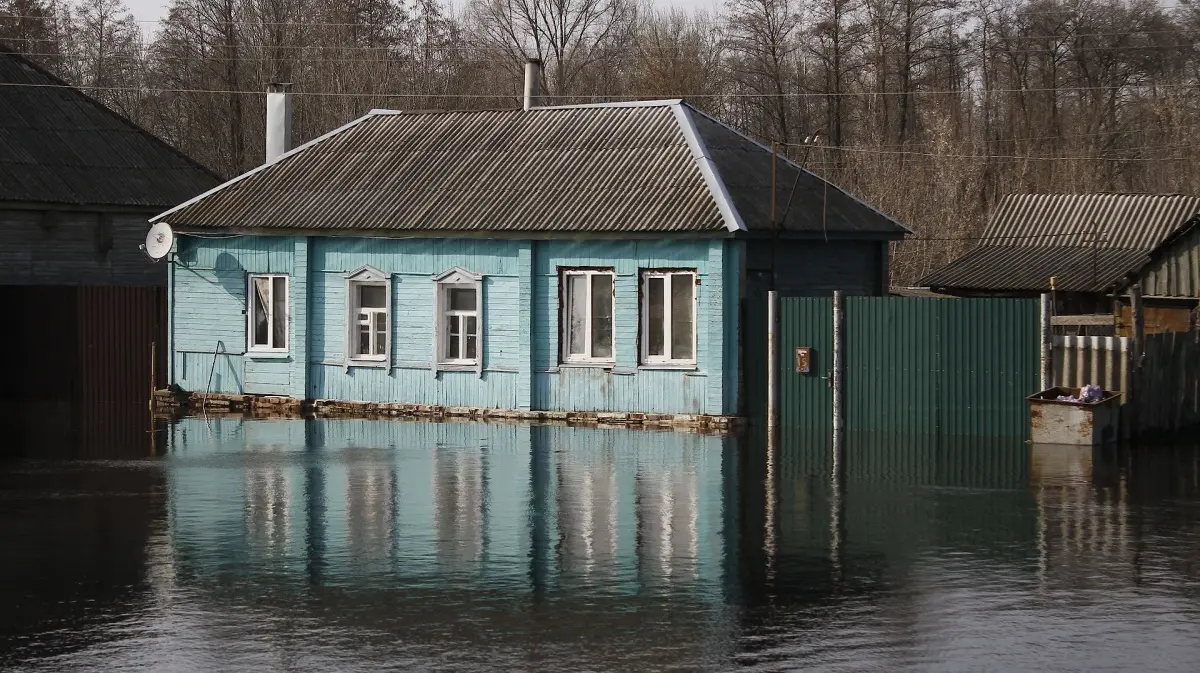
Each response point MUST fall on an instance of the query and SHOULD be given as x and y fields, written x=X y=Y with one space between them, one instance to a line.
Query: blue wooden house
x=587 y=258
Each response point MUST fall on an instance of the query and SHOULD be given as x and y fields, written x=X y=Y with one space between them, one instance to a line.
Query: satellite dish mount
x=158 y=241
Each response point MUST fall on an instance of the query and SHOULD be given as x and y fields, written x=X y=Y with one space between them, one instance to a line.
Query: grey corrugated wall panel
x=1175 y=269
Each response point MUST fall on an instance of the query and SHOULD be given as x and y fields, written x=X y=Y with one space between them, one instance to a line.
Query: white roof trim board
x=733 y=220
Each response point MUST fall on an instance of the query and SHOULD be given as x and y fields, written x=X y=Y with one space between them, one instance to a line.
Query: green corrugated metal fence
x=948 y=367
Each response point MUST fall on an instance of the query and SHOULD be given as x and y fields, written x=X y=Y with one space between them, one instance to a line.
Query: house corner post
x=527 y=328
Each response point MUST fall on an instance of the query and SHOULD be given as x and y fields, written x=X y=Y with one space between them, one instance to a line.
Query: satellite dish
x=158 y=241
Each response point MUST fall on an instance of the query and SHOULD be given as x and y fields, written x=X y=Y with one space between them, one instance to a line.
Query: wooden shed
x=77 y=183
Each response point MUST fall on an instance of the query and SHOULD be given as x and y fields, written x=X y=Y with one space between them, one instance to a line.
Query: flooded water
x=366 y=546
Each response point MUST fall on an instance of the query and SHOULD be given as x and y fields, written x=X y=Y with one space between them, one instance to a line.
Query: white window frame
x=666 y=360
x=456 y=278
x=564 y=332
x=367 y=276
x=251 y=347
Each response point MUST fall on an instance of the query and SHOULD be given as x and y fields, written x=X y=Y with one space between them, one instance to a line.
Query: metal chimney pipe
x=533 y=73
x=279 y=120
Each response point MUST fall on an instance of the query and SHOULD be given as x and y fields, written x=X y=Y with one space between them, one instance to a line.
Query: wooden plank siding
x=75 y=248
x=520 y=317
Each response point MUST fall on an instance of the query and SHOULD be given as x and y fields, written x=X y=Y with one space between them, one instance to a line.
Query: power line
x=620 y=96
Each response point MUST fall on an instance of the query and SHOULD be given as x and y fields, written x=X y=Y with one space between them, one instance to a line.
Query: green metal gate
x=948 y=367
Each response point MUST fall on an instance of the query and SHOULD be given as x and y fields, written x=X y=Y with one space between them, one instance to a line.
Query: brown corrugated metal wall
x=79 y=381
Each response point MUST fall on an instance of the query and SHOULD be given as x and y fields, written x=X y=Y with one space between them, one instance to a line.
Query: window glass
x=279 y=312
x=462 y=299
x=656 y=310
x=262 y=303
x=577 y=307
x=472 y=338
x=682 y=286
x=602 y=302
x=372 y=296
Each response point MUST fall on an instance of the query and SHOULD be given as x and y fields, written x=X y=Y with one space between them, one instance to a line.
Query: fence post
x=836 y=377
x=772 y=367
x=1047 y=340
x=1137 y=313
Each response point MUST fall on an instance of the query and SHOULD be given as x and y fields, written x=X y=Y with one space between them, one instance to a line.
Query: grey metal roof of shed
x=1033 y=237
x=1139 y=221
x=1001 y=268
x=57 y=145
x=639 y=167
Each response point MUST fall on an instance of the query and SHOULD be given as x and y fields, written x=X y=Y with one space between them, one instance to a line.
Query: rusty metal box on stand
x=1054 y=421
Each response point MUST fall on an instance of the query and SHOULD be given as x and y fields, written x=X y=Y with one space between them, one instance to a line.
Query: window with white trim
x=458 y=320
x=668 y=334
x=267 y=313
x=460 y=324
x=586 y=315
x=368 y=320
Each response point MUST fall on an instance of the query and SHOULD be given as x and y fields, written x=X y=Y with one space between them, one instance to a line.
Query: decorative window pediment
x=367 y=274
x=457 y=275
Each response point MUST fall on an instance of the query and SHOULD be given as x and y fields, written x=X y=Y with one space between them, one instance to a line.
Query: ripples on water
x=356 y=545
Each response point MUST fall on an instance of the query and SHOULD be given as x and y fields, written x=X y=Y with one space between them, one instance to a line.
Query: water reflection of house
x=514 y=506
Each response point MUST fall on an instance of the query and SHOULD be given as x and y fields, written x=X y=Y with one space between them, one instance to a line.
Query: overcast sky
x=148 y=12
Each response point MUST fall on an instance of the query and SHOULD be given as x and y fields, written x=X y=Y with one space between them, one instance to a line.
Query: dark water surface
x=370 y=546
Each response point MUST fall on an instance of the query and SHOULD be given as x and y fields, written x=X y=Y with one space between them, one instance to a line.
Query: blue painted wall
x=521 y=331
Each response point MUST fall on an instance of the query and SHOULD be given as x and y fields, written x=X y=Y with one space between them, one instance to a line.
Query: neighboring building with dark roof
x=1093 y=246
x=580 y=258
x=77 y=185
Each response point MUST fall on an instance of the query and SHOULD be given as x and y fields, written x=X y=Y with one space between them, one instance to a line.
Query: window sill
x=668 y=366
x=457 y=366
x=268 y=355
x=587 y=365
x=377 y=364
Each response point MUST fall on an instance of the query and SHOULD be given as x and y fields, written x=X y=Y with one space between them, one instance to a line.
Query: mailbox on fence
x=1074 y=416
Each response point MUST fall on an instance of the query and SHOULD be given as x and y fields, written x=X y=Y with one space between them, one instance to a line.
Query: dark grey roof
x=1001 y=268
x=817 y=207
x=57 y=145
x=1032 y=237
x=644 y=167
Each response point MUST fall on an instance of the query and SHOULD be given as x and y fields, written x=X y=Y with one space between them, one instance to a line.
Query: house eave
x=221 y=232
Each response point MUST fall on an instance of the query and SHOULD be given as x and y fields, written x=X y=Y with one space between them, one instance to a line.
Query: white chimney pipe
x=533 y=72
x=279 y=120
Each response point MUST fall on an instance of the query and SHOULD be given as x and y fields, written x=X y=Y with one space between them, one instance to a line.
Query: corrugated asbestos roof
x=1000 y=268
x=645 y=167
x=57 y=145
x=1136 y=221
x=1032 y=237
